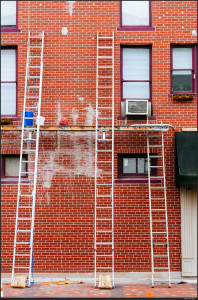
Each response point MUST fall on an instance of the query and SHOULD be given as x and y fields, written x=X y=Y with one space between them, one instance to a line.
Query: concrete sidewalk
x=47 y=289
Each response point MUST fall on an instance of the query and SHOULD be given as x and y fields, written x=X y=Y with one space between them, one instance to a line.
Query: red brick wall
x=64 y=219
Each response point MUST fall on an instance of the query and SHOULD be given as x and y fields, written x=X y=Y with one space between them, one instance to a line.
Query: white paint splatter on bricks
x=81 y=99
x=71 y=6
x=90 y=115
x=59 y=115
x=64 y=31
x=74 y=115
x=49 y=168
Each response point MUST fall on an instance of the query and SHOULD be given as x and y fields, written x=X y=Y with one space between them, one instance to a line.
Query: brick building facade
x=64 y=216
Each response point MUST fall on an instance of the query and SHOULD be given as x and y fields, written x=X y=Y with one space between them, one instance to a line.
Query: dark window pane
x=182 y=81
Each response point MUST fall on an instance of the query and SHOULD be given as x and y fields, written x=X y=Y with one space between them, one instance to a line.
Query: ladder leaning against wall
x=24 y=226
x=104 y=158
x=158 y=207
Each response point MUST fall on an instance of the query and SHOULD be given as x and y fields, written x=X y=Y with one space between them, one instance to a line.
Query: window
x=10 y=166
x=135 y=15
x=135 y=167
x=136 y=73
x=8 y=82
x=9 y=18
x=183 y=69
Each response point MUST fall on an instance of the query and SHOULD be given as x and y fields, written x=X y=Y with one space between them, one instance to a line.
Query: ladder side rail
x=36 y=159
x=113 y=161
x=21 y=153
x=150 y=207
x=166 y=209
x=96 y=148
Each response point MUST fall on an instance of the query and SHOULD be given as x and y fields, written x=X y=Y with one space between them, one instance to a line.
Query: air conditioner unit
x=136 y=107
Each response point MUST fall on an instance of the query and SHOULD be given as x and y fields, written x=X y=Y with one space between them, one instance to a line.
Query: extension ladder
x=24 y=227
x=158 y=206
x=104 y=158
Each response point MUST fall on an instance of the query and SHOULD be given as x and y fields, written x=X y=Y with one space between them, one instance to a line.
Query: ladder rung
x=160 y=232
x=32 y=97
x=158 y=198
x=34 y=67
x=104 y=207
x=157 y=244
x=107 y=219
x=34 y=56
x=22 y=254
x=155 y=146
x=29 y=140
x=23 y=243
x=31 y=76
x=27 y=150
x=25 y=195
x=31 y=128
x=156 y=166
x=160 y=209
x=105 y=37
x=104 y=86
x=32 y=107
x=106 y=140
x=105 y=47
x=25 y=206
x=104 y=118
x=104 y=98
x=28 y=161
x=109 y=162
x=155 y=156
x=36 y=37
x=21 y=267
x=24 y=172
x=157 y=187
x=105 y=56
x=164 y=220
x=21 y=230
x=160 y=255
x=105 y=107
x=156 y=177
x=25 y=219
x=101 y=196
x=161 y=268
x=33 y=87
x=35 y=46
x=105 y=67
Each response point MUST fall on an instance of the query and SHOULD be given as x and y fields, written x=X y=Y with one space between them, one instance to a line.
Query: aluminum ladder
x=158 y=206
x=25 y=212
x=104 y=158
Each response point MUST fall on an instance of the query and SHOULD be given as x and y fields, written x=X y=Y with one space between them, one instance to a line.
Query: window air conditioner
x=136 y=107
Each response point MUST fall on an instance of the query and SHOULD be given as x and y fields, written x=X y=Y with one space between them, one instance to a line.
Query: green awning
x=186 y=157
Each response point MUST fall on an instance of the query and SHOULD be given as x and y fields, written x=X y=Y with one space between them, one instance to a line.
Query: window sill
x=13 y=181
x=135 y=28
x=10 y=29
x=136 y=180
